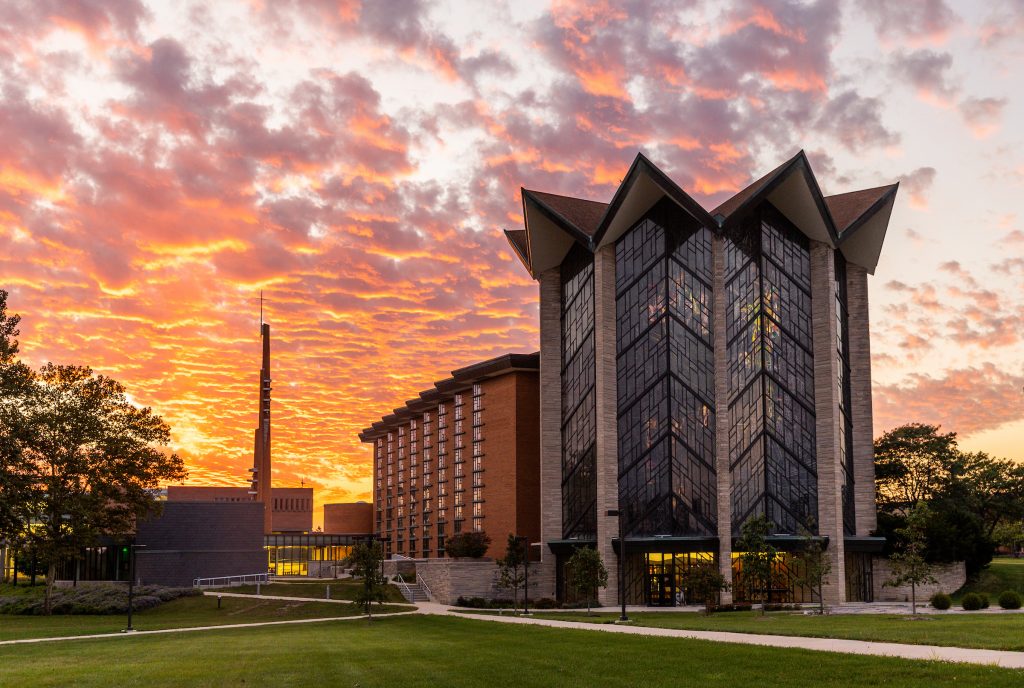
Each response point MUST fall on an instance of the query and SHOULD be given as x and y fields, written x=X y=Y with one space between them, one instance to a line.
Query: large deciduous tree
x=968 y=494
x=16 y=387
x=95 y=461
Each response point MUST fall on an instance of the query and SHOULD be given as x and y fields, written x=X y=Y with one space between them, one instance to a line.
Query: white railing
x=225 y=581
x=424 y=586
x=404 y=587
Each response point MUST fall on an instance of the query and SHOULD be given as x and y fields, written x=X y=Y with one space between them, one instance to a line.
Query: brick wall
x=449 y=579
x=201 y=540
x=348 y=518
x=950 y=577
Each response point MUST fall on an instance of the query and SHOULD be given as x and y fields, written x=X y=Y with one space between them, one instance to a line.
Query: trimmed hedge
x=1010 y=599
x=941 y=600
x=971 y=602
x=94 y=600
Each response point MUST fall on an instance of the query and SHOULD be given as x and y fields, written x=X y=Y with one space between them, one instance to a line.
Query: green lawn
x=439 y=651
x=1003 y=573
x=990 y=631
x=181 y=613
x=342 y=589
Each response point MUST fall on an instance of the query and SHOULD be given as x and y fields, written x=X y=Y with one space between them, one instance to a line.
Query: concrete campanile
x=261 y=451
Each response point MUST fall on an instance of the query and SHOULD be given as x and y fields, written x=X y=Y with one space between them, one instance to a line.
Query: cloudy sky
x=163 y=162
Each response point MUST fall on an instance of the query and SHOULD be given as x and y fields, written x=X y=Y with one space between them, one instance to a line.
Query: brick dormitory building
x=462 y=456
x=696 y=368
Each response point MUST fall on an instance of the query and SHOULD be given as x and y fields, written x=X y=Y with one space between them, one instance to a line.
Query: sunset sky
x=163 y=162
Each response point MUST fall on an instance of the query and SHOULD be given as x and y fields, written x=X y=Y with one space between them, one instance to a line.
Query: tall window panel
x=665 y=376
x=771 y=374
x=579 y=478
x=845 y=396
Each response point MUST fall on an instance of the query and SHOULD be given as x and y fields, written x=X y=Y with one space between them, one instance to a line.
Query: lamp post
x=622 y=564
x=131 y=583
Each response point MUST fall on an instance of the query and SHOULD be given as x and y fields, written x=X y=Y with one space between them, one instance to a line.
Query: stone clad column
x=550 y=424
x=718 y=316
x=827 y=417
x=860 y=388
x=607 y=447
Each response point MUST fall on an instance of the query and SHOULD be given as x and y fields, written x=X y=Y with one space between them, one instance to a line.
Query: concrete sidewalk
x=1001 y=658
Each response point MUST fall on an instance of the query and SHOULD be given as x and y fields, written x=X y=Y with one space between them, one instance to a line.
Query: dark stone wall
x=201 y=540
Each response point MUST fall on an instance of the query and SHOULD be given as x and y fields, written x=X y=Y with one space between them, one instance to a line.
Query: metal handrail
x=404 y=587
x=423 y=584
x=222 y=581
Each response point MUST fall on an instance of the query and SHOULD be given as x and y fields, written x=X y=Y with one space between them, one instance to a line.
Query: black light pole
x=622 y=564
x=131 y=584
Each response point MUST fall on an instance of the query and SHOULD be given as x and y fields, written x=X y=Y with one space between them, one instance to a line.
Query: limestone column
x=550 y=425
x=606 y=448
x=860 y=389
x=718 y=316
x=827 y=417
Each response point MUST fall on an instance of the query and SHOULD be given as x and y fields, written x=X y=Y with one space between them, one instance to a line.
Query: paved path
x=1002 y=658
x=208 y=628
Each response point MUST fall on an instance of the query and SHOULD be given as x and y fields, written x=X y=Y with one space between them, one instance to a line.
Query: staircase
x=413 y=592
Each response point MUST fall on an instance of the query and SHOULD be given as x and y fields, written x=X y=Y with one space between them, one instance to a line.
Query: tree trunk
x=51 y=574
x=913 y=598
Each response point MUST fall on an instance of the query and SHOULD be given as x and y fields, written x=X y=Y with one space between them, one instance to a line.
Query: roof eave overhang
x=549 y=234
x=861 y=242
x=525 y=260
x=794 y=191
x=643 y=186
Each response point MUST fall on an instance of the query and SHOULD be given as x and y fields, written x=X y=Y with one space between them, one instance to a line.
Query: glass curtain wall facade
x=772 y=448
x=665 y=377
x=579 y=471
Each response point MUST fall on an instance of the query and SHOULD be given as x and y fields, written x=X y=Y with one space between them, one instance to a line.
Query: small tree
x=587 y=572
x=908 y=564
x=512 y=568
x=1010 y=534
x=472 y=545
x=757 y=556
x=704 y=582
x=812 y=564
x=366 y=559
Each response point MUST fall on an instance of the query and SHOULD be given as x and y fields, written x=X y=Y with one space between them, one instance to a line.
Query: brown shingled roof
x=586 y=215
x=732 y=204
x=517 y=237
x=847 y=207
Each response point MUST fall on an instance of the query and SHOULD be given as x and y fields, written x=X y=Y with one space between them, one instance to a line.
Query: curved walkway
x=1001 y=658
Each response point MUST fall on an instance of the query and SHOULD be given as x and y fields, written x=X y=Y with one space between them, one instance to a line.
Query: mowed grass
x=987 y=631
x=1003 y=573
x=444 y=651
x=181 y=613
x=341 y=589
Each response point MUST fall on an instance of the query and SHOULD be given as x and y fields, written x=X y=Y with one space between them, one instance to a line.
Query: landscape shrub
x=735 y=607
x=94 y=600
x=971 y=601
x=1010 y=599
x=546 y=603
x=941 y=600
x=473 y=545
x=984 y=599
x=481 y=603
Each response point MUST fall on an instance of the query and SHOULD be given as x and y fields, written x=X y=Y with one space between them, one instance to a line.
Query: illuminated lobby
x=702 y=367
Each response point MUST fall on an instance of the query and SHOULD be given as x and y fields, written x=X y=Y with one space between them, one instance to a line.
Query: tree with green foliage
x=587 y=572
x=812 y=563
x=703 y=581
x=95 y=463
x=1010 y=534
x=472 y=545
x=16 y=389
x=757 y=557
x=908 y=564
x=969 y=494
x=366 y=559
x=512 y=567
